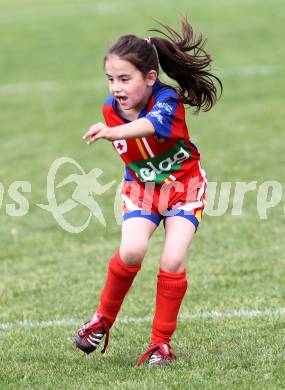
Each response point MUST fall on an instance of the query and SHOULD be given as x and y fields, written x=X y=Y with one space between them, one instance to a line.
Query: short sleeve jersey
x=166 y=156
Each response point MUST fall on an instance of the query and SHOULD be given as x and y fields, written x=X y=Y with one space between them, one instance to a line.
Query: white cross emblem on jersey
x=121 y=146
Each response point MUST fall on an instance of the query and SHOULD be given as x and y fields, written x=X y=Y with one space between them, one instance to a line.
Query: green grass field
x=51 y=89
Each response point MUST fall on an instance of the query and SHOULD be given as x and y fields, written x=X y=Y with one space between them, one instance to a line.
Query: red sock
x=118 y=281
x=171 y=288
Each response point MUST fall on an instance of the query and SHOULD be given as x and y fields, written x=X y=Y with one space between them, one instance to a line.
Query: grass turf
x=51 y=89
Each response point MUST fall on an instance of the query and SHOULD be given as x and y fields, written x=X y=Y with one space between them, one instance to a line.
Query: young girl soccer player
x=145 y=120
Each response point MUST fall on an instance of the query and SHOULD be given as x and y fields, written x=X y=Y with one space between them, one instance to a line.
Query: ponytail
x=184 y=60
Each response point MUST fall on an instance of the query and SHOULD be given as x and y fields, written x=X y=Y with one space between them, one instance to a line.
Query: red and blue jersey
x=166 y=156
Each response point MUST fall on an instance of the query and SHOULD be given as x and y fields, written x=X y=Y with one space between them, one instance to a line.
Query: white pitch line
x=230 y=3
x=44 y=12
x=50 y=86
x=57 y=86
x=251 y=70
x=126 y=320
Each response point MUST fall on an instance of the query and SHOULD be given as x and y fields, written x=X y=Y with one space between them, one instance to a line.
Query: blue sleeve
x=163 y=112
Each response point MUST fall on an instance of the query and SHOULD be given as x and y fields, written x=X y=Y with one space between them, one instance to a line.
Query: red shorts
x=185 y=198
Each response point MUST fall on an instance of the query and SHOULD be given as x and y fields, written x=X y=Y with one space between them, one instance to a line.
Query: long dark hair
x=181 y=57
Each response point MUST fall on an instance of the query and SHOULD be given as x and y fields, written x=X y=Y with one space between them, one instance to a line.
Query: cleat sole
x=78 y=344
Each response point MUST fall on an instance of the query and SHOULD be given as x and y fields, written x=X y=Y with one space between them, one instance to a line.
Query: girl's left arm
x=138 y=128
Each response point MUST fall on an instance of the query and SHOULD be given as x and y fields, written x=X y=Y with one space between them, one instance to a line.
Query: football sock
x=171 y=288
x=118 y=281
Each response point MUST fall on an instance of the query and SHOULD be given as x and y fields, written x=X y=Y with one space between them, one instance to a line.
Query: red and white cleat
x=158 y=354
x=89 y=336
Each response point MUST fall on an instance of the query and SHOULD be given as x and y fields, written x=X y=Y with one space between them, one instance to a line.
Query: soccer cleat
x=91 y=333
x=158 y=354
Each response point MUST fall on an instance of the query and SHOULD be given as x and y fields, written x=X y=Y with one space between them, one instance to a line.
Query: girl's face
x=127 y=84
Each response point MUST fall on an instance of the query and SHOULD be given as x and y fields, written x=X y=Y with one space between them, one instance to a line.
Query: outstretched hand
x=138 y=128
x=98 y=131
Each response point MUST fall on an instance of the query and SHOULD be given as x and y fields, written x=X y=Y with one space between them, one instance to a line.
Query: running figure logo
x=87 y=185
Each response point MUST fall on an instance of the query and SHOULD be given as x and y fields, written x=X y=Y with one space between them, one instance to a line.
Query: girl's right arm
x=138 y=128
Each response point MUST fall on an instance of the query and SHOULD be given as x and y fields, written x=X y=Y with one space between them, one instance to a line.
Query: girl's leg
x=136 y=233
x=124 y=265
x=122 y=269
x=179 y=233
x=171 y=282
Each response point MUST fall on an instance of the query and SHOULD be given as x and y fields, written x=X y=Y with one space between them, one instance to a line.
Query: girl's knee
x=173 y=263
x=132 y=254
